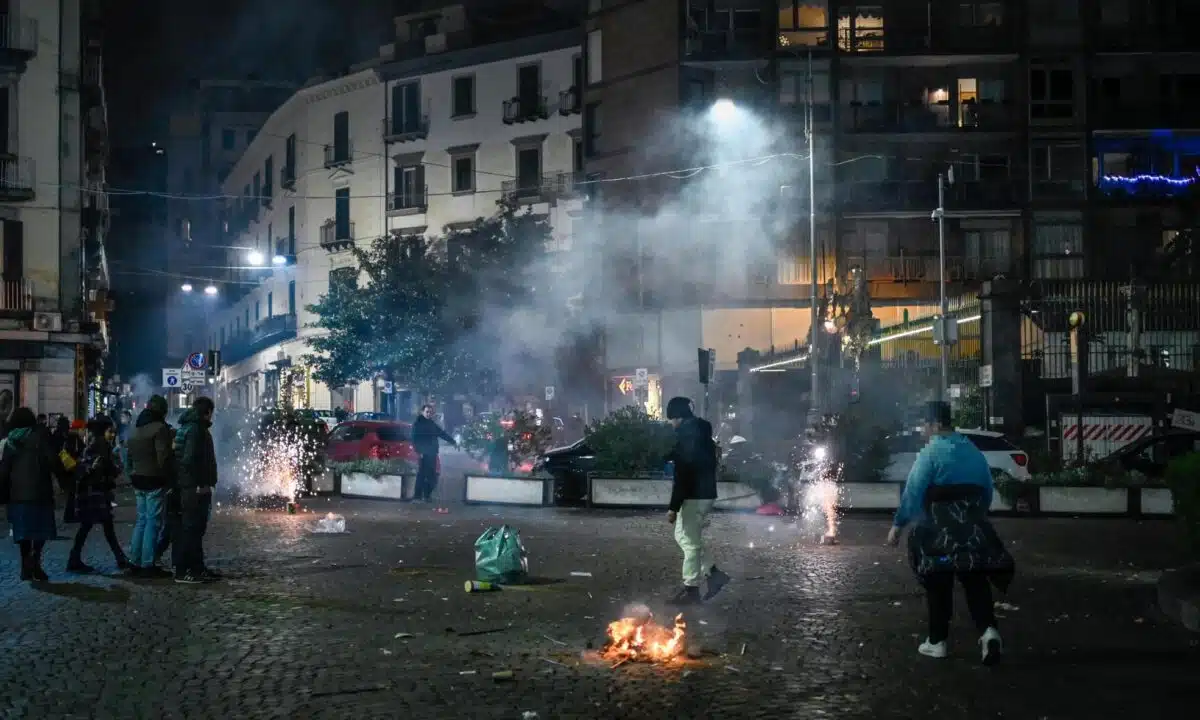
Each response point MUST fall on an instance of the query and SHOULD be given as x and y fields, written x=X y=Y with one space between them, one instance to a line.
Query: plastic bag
x=500 y=557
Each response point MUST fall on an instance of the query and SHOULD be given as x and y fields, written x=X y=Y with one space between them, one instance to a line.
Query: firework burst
x=817 y=490
x=274 y=465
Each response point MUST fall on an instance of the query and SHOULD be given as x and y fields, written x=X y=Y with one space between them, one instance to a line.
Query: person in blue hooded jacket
x=946 y=500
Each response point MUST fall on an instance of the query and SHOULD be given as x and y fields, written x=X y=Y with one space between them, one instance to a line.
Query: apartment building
x=53 y=149
x=1059 y=125
x=419 y=141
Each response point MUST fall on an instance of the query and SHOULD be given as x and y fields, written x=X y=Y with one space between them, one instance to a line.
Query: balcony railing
x=18 y=35
x=1144 y=116
x=17 y=178
x=529 y=190
x=287 y=177
x=924 y=268
x=525 y=109
x=16 y=296
x=339 y=155
x=332 y=236
x=919 y=117
x=405 y=129
x=271 y=331
x=893 y=195
x=725 y=45
x=567 y=184
x=570 y=101
x=413 y=200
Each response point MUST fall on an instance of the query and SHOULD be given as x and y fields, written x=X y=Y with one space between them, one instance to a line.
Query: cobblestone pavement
x=306 y=626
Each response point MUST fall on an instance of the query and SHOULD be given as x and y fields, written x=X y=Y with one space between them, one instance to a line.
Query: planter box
x=1083 y=500
x=1157 y=501
x=655 y=494
x=325 y=483
x=869 y=496
x=499 y=490
x=384 y=487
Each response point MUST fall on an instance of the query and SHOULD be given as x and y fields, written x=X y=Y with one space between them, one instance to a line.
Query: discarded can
x=291 y=508
x=502 y=675
x=479 y=586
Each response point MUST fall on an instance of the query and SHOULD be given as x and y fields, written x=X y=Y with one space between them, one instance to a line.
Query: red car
x=371 y=440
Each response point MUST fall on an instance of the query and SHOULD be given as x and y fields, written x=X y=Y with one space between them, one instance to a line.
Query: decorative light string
x=1150 y=179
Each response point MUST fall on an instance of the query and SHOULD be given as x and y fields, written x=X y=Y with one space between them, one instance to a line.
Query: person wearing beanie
x=27 y=469
x=68 y=445
x=693 y=492
x=149 y=463
x=946 y=498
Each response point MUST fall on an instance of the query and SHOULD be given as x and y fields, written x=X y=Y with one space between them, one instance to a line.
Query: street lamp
x=279 y=260
x=255 y=257
x=210 y=290
x=186 y=287
x=723 y=110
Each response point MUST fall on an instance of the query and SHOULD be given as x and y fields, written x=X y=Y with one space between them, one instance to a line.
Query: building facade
x=54 y=303
x=420 y=141
x=1059 y=125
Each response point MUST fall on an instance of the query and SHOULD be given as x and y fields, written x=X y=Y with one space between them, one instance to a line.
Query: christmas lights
x=1133 y=181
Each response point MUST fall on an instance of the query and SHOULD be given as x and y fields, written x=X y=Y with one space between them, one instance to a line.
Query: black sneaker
x=686 y=595
x=80 y=568
x=188 y=579
x=716 y=581
x=134 y=571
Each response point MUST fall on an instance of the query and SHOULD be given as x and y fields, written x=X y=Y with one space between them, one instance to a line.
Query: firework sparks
x=273 y=466
x=817 y=477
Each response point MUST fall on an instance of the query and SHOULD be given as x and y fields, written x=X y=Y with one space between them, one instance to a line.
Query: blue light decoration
x=1133 y=182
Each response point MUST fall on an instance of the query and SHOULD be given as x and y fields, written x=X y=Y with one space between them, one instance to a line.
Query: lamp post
x=814 y=405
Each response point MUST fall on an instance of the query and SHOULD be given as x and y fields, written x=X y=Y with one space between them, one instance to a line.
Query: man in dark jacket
x=149 y=463
x=693 y=492
x=425 y=434
x=196 y=473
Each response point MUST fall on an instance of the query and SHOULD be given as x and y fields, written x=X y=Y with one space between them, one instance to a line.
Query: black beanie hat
x=679 y=408
x=937 y=411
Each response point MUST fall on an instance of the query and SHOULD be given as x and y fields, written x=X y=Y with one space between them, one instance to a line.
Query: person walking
x=149 y=462
x=28 y=465
x=693 y=492
x=196 y=471
x=97 y=476
x=68 y=446
x=426 y=433
x=946 y=498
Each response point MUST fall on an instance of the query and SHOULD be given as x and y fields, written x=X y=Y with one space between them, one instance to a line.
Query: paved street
x=305 y=626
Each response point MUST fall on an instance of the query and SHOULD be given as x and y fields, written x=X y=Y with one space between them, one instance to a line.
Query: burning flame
x=642 y=639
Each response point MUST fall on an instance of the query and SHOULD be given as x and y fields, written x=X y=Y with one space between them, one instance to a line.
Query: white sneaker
x=990 y=646
x=933 y=650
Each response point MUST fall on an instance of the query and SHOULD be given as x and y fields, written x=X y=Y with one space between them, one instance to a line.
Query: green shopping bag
x=500 y=556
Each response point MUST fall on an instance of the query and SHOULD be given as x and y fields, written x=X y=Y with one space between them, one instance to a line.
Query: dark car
x=569 y=466
x=1151 y=455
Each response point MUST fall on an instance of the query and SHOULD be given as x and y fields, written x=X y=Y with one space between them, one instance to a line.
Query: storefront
x=625 y=390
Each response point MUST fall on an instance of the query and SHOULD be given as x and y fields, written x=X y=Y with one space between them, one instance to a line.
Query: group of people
x=172 y=471
x=945 y=501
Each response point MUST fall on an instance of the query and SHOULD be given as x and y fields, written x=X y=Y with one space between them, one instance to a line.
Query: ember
x=641 y=639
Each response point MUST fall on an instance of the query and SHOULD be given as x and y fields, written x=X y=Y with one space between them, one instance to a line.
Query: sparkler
x=817 y=488
x=273 y=466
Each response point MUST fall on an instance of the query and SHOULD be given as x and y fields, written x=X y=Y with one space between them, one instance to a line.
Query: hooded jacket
x=695 y=458
x=149 y=453
x=195 y=457
x=28 y=465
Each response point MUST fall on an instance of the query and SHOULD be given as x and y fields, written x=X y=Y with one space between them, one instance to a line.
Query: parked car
x=569 y=467
x=327 y=417
x=1000 y=453
x=371 y=416
x=1151 y=455
x=370 y=440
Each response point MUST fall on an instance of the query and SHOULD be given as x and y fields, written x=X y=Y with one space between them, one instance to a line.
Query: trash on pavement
x=500 y=557
x=331 y=524
x=502 y=676
x=578 y=573
x=403 y=636
x=474 y=586
x=467 y=672
x=529 y=715
x=556 y=642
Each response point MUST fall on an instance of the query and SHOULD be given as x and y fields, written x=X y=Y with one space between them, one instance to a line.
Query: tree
x=339 y=355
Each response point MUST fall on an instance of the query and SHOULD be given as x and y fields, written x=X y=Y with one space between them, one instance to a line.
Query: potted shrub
x=391 y=478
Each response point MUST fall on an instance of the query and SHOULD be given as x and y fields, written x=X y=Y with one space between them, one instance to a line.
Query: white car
x=1000 y=453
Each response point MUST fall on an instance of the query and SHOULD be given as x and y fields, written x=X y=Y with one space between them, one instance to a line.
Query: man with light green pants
x=693 y=492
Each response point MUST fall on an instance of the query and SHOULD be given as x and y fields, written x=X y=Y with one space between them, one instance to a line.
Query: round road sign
x=197 y=361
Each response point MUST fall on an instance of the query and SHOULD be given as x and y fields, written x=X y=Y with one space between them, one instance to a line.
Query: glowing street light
x=210 y=290
x=723 y=110
x=279 y=260
x=255 y=257
x=186 y=287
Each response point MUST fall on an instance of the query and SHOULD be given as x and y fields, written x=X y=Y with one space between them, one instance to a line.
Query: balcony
x=921 y=197
x=566 y=184
x=528 y=109
x=334 y=238
x=406 y=129
x=1146 y=188
x=18 y=182
x=1143 y=116
x=272 y=331
x=287 y=177
x=923 y=268
x=16 y=296
x=268 y=196
x=412 y=201
x=923 y=118
x=18 y=40
x=570 y=101
x=338 y=155
x=725 y=46
x=529 y=190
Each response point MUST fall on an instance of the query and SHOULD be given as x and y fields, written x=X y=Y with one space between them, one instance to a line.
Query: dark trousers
x=110 y=534
x=187 y=546
x=69 y=514
x=427 y=477
x=939 y=592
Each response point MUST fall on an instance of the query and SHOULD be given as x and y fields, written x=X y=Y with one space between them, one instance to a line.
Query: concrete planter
x=869 y=496
x=655 y=494
x=1083 y=500
x=500 y=490
x=384 y=487
x=737 y=497
x=325 y=483
x=999 y=504
x=1157 y=501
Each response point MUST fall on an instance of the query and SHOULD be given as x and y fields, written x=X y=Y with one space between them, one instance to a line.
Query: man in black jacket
x=693 y=492
x=425 y=434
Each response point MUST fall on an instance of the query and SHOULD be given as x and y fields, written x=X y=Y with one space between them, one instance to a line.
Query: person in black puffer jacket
x=28 y=464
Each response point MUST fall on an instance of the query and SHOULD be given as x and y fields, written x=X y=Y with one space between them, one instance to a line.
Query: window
x=406 y=108
x=289 y=158
x=990 y=443
x=981 y=14
x=409 y=187
x=247 y=318
x=345 y=278
x=803 y=23
x=792 y=92
x=291 y=231
x=577 y=155
x=464 y=96
x=257 y=311
x=577 y=74
x=1058 y=169
x=462 y=174
x=391 y=433
x=292 y=297
x=591 y=129
x=269 y=178
x=1057 y=249
x=594 y=53
x=13 y=252
x=347 y=433
x=257 y=185
x=529 y=168
x=987 y=252
x=341 y=214
x=270 y=305
x=1051 y=93
x=860 y=29
x=529 y=86
x=341 y=137
x=228 y=139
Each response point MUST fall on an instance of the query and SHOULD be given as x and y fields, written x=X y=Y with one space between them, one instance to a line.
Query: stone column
x=1001 y=339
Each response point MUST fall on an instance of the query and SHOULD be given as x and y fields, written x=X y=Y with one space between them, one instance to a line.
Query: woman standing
x=97 y=480
x=27 y=466
x=947 y=497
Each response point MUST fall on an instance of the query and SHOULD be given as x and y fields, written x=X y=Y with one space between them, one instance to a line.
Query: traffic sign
x=1185 y=419
x=195 y=376
x=197 y=361
x=985 y=376
x=641 y=377
x=172 y=378
x=549 y=393
x=625 y=386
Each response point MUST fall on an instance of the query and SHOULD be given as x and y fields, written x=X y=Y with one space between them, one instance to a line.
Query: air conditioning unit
x=47 y=322
x=435 y=43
